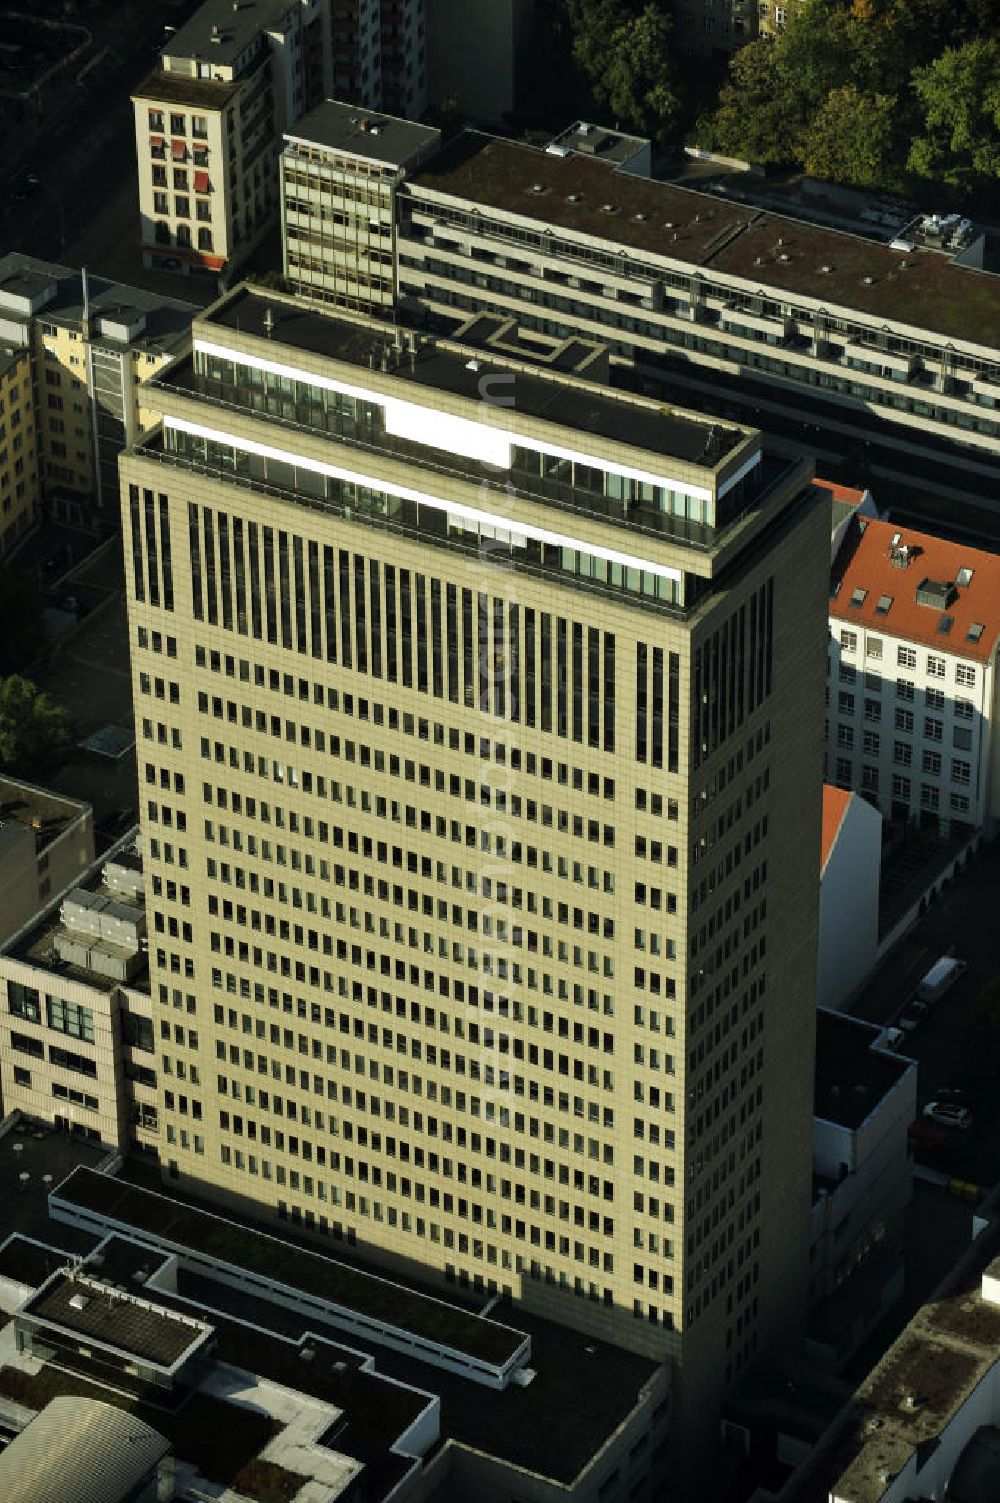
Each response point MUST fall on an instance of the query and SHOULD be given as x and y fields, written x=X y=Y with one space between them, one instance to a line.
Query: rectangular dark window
x=561 y=676
x=315 y=603
x=269 y=586
x=514 y=661
x=225 y=573
x=211 y=595
x=375 y=613
x=284 y=590
x=330 y=603
x=593 y=686
x=135 y=527
x=529 y=666
x=360 y=618
x=345 y=608
x=166 y=554
x=391 y=669
x=421 y=603
x=152 y=566
x=657 y=720
x=609 y=692
x=452 y=641
x=641 y=702
x=673 y=712
x=546 y=675
x=577 y=681
x=239 y=576
x=256 y=611
x=299 y=578
x=468 y=649
x=406 y=627
x=437 y=655
x=498 y=660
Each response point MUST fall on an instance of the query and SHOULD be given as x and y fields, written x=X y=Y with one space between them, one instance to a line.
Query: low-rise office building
x=76 y=1022
x=73 y=400
x=46 y=842
x=912 y=680
x=340 y=170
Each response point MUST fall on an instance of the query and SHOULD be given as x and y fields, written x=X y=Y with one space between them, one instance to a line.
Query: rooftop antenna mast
x=86 y=302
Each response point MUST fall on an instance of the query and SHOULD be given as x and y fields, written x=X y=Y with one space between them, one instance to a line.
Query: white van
x=940 y=978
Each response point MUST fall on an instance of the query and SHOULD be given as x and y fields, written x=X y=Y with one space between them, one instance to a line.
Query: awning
x=201 y=182
x=178 y=150
x=157 y=142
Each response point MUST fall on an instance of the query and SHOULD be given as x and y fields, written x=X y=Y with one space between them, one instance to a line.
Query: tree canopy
x=623 y=48
x=33 y=729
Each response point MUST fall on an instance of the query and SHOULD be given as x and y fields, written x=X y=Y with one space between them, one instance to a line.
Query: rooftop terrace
x=219 y=31
x=462 y=371
x=920 y=288
x=851 y=1077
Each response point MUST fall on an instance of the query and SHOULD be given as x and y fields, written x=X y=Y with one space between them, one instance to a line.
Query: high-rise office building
x=481 y=805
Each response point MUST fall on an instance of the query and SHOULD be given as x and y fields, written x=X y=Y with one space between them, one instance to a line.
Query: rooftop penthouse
x=477 y=442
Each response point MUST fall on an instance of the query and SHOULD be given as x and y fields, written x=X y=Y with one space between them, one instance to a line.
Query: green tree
x=625 y=53
x=760 y=117
x=851 y=138
x=33 y=728
x=958 y=139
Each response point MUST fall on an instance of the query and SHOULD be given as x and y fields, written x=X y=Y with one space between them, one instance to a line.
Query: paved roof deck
x=47 y=815
x=864 y=562
x=600 y=141
x=708 y=230
x=851 y=1077
x=442 y=366
x=142 y=1330
x=370 y=134
x=315 y=1274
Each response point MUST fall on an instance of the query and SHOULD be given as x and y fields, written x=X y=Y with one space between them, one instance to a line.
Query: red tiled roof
x=845 y=493
x=835 y=802
x=865 y=563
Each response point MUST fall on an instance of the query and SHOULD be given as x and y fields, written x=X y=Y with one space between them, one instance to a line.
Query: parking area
x=957 y=1043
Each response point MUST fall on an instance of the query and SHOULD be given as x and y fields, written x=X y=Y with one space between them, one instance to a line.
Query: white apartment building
x=208 y=125
x=912 y=681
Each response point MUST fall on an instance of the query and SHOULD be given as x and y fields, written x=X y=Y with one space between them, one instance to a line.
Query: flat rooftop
x=161 y=87
x=88 y=1307
x=219 y=31
x=167 y=319
x=46 y=1157
x=47 y=815
x=364 y=133
x=921 y=288
x=376 y=1297
x=851 y=1077
x=635 y=421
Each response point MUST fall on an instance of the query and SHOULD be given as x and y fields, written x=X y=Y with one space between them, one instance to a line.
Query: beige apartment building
x=467 y=813
x=46 y=840
x=73 y=396
x=208 y=126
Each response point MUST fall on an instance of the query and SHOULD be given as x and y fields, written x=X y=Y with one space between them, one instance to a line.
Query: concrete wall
x=848 y=905
x=473 y=54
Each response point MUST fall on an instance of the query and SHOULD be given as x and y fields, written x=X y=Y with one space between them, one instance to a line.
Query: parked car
x=940 y=978
x=912 y=1016
x=948 y=1114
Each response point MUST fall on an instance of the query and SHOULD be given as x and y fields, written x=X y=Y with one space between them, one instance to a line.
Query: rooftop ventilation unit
x=78 y=1301
x=826 y=270
x=935 y=593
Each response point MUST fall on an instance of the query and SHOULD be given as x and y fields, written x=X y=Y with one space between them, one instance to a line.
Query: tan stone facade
x=19 y=475
x=486 y=872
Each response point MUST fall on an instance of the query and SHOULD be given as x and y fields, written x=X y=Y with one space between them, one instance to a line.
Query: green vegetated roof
x=312 y=1273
